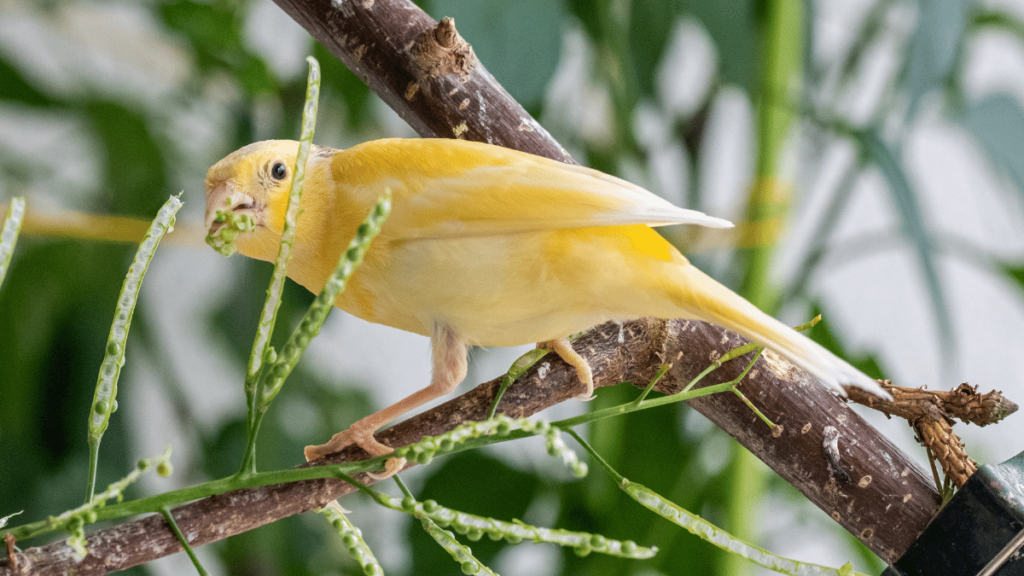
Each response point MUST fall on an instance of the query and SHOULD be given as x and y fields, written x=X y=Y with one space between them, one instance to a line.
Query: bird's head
x=255 y=181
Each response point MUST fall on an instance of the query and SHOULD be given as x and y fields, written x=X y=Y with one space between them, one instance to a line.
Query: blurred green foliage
x=56 y=303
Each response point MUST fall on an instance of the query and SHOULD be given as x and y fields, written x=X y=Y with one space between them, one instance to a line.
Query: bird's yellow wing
x=450 y=189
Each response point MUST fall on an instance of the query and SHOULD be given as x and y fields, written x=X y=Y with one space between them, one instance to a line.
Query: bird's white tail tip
x=853 y=377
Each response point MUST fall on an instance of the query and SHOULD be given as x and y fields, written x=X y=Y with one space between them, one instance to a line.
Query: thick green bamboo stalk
x=767 y=206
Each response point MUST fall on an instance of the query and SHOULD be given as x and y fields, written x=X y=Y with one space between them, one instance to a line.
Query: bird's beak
x=225 y=197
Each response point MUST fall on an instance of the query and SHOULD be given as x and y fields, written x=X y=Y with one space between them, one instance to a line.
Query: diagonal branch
x=430 y=76
x=884 y=504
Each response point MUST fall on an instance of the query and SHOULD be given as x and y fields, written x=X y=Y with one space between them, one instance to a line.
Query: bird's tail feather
x=704 y=298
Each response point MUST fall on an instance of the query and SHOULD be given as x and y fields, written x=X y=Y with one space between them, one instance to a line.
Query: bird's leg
x=563 y=348
x=449 y=359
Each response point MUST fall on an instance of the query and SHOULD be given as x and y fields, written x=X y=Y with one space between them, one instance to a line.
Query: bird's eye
x=278 y=171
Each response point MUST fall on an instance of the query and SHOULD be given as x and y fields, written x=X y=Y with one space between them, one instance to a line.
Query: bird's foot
x=564 y=349
x=361 y=435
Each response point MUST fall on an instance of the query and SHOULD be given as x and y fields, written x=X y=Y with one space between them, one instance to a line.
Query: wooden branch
x=885 y=502
x=424 y=70
x=429 y=75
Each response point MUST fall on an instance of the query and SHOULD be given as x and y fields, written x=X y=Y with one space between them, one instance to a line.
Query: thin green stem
x=94 y=458
x=518 y=368
x=730 y=355
x=596 y=456
x=198 y=491
x=654 y=381
x=169 y=517
x=645 y=405
x=401 y=485
x=753 y=408
x=268 y=316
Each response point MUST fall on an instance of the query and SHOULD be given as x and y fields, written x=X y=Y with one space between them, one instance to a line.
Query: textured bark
x=886 y=501
x=429 y=75
x=931 y=412
x=424 y=71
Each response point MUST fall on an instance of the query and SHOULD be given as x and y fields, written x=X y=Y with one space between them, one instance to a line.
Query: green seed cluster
x=423 y=452
x=76 y=519
x=429 y=446
x=352 y=537
x=722 y=539
x=223 y=240
x=557 y=449
x=474 y=527
x=281 y=364
x=460 y=552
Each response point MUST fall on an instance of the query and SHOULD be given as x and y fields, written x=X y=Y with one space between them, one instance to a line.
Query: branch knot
x=441 y=50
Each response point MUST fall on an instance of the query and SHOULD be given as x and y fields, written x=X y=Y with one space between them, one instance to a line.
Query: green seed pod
x=164 y=469
x=580 y=469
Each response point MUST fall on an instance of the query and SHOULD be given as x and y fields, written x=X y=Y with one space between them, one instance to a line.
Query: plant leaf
x=997 y=123
x=916 y=231
x=935 y=47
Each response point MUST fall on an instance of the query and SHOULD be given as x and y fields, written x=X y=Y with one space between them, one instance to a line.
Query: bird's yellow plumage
x=486 y=246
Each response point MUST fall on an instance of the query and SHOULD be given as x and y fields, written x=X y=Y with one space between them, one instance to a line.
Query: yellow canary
x=486 y=246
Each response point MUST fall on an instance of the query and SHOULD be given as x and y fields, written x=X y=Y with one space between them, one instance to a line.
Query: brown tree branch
x=443 y=91
x=884 y=503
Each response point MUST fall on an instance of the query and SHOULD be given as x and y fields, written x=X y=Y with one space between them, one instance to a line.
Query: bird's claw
x=391 y=467
x=335 y=444
x=363 y=437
